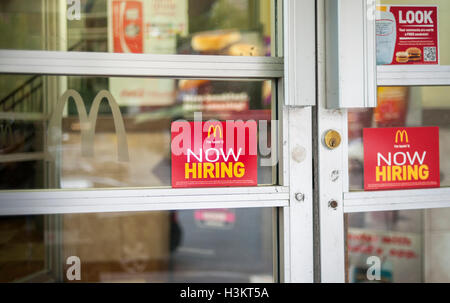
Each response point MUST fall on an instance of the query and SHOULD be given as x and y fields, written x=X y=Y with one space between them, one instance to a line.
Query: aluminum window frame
x=139 y=65
x=294 y=252
x=42 y=202
x=420 y=75
x=361 y=201
x=332 y=224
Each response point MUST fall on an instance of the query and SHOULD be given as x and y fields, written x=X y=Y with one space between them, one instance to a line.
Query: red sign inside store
x=407 y=35
x=127 y=26
x=214 y=154
x=401 y=158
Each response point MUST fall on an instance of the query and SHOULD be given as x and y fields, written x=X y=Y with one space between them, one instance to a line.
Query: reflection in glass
x=412 y=245
x=221 y=245
x=22 y=250
x=94 y=132
x=210 y=27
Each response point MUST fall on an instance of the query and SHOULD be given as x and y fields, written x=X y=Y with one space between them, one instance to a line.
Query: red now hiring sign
x=401 y=158
x=214 y=154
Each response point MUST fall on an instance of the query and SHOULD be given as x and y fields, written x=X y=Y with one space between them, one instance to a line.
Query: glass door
x=387 y=235
x=89 y=94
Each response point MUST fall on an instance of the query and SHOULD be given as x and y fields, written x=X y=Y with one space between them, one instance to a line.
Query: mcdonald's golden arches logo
x=88 y=123
x=214 y=130
x=401 y=136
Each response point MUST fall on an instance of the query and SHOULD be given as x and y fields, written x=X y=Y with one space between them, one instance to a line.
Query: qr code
x=429 y=54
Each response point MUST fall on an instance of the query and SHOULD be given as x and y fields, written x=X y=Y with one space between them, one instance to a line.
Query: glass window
x=398 y=107
x=412 y=245
x=43 y=127
x=207 y=27
x=22 y=250
x=221 y=245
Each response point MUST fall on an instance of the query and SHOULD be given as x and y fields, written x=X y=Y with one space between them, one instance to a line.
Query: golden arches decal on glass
x=88 y=123
x=54 y=127
x=122 y=144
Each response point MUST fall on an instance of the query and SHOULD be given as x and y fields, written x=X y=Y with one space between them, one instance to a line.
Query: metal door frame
x=332 y=165
x=294 y=77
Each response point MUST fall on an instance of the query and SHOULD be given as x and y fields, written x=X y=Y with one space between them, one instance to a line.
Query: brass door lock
x=332 y=139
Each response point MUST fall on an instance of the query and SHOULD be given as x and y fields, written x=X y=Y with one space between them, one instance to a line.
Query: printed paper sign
x=407 y=35
x=214 y=154
x=401 y=158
